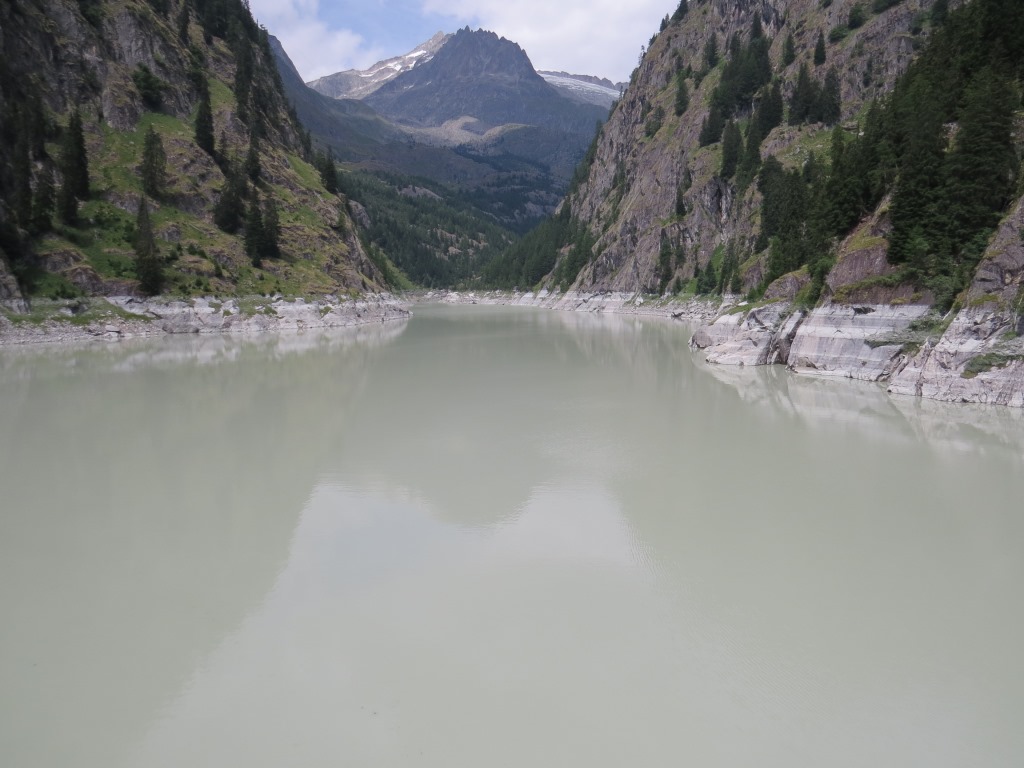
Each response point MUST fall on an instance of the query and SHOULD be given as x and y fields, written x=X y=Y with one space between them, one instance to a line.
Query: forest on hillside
x=939 y=154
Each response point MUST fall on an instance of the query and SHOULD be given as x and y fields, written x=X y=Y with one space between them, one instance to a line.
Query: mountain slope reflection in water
x=501 y=537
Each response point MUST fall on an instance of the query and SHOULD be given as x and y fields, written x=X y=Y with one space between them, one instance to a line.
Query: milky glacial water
x=498 y=537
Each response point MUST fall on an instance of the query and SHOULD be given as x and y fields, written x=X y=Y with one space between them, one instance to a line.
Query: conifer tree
x=682 y=95
x=711 y=128
x=230 y=207
x=271 y=230
x=154 y=165
x=819 y=50
x=750 y=160
x=42 y=203
x=788 y=50
x=711 y=52
x=831 y=101
x=732 y=145
x=756 y=30
x=329 y=172
x=806 y=100
x=74 y=161
x=255 y=238
x=74 y=171
x=913 y=210
x=680 y=201
x=183 y=24
x=980 y=170
x=681 y=11
x=204 y=120
x=148 y=264
x=252 y=160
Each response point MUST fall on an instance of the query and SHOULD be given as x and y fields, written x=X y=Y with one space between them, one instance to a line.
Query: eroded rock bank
x=974 y=356
x=692 y=310
x=114 y=318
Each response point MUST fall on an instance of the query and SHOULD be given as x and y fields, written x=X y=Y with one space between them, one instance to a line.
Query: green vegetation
x=533 y=257
x=148 y=265
x=433 y=235
x=987 y=362
x=948 y=194
x=93 y=176
x=154 y=165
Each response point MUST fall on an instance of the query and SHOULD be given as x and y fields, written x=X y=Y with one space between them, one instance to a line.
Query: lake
x=498 y=537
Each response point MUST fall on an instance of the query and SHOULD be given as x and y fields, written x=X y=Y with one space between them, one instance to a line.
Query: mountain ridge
x=357 y=84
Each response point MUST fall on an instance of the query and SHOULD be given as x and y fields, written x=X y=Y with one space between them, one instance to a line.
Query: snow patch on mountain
x=584 y=88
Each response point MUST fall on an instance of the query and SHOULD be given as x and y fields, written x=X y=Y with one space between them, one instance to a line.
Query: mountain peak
x=359 y=83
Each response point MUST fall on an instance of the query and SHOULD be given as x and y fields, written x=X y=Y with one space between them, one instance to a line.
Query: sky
x=587 y=37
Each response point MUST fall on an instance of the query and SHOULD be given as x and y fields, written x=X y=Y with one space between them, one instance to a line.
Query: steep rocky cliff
x=651 y=182
x=130 y=69
x=664 y=213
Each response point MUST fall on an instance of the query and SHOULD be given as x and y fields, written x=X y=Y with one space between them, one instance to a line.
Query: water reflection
x=150 y=492
x=825 y=403
x=502 y=536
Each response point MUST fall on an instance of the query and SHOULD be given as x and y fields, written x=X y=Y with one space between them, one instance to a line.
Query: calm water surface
x=497 y=537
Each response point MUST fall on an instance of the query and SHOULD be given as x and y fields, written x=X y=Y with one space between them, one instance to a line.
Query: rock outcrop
x=126 y=317
x=647 y=156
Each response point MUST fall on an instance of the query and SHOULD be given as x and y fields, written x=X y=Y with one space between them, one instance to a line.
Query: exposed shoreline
x=619 y=303
x=975 y=357
x=115 y=318
x=869 y=343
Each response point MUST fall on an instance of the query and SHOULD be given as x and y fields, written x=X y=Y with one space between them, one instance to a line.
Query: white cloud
x=314 y=47
x=593 y=37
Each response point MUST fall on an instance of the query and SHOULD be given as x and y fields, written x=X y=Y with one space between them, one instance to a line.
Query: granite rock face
x=853 y=342
x=978 y=358
x=747 y=338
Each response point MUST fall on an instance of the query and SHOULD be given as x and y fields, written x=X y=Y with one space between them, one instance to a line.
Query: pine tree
x=769 y=111
x=819 y=50
x=788 y=50
x=222 y=156
x=831 y=100
x=74 y=160
x=732 y=145
x=682 y=95
x=271 y=230
x=42 y=203
x=711 y=128
x=681 y=11
x=756 y=30
x=329 y=173
x=711 y=52
x=183 y=24
x=252 y=160
x=913 y=212
x=750 y=161
x=154 y=165
x=805 y=98
x=74 y=171
x=230 y=207
x=980 y=170
x=680 y=201
x=940 y=10
x=255 y=238
x=204 y=120
x=148 y=264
